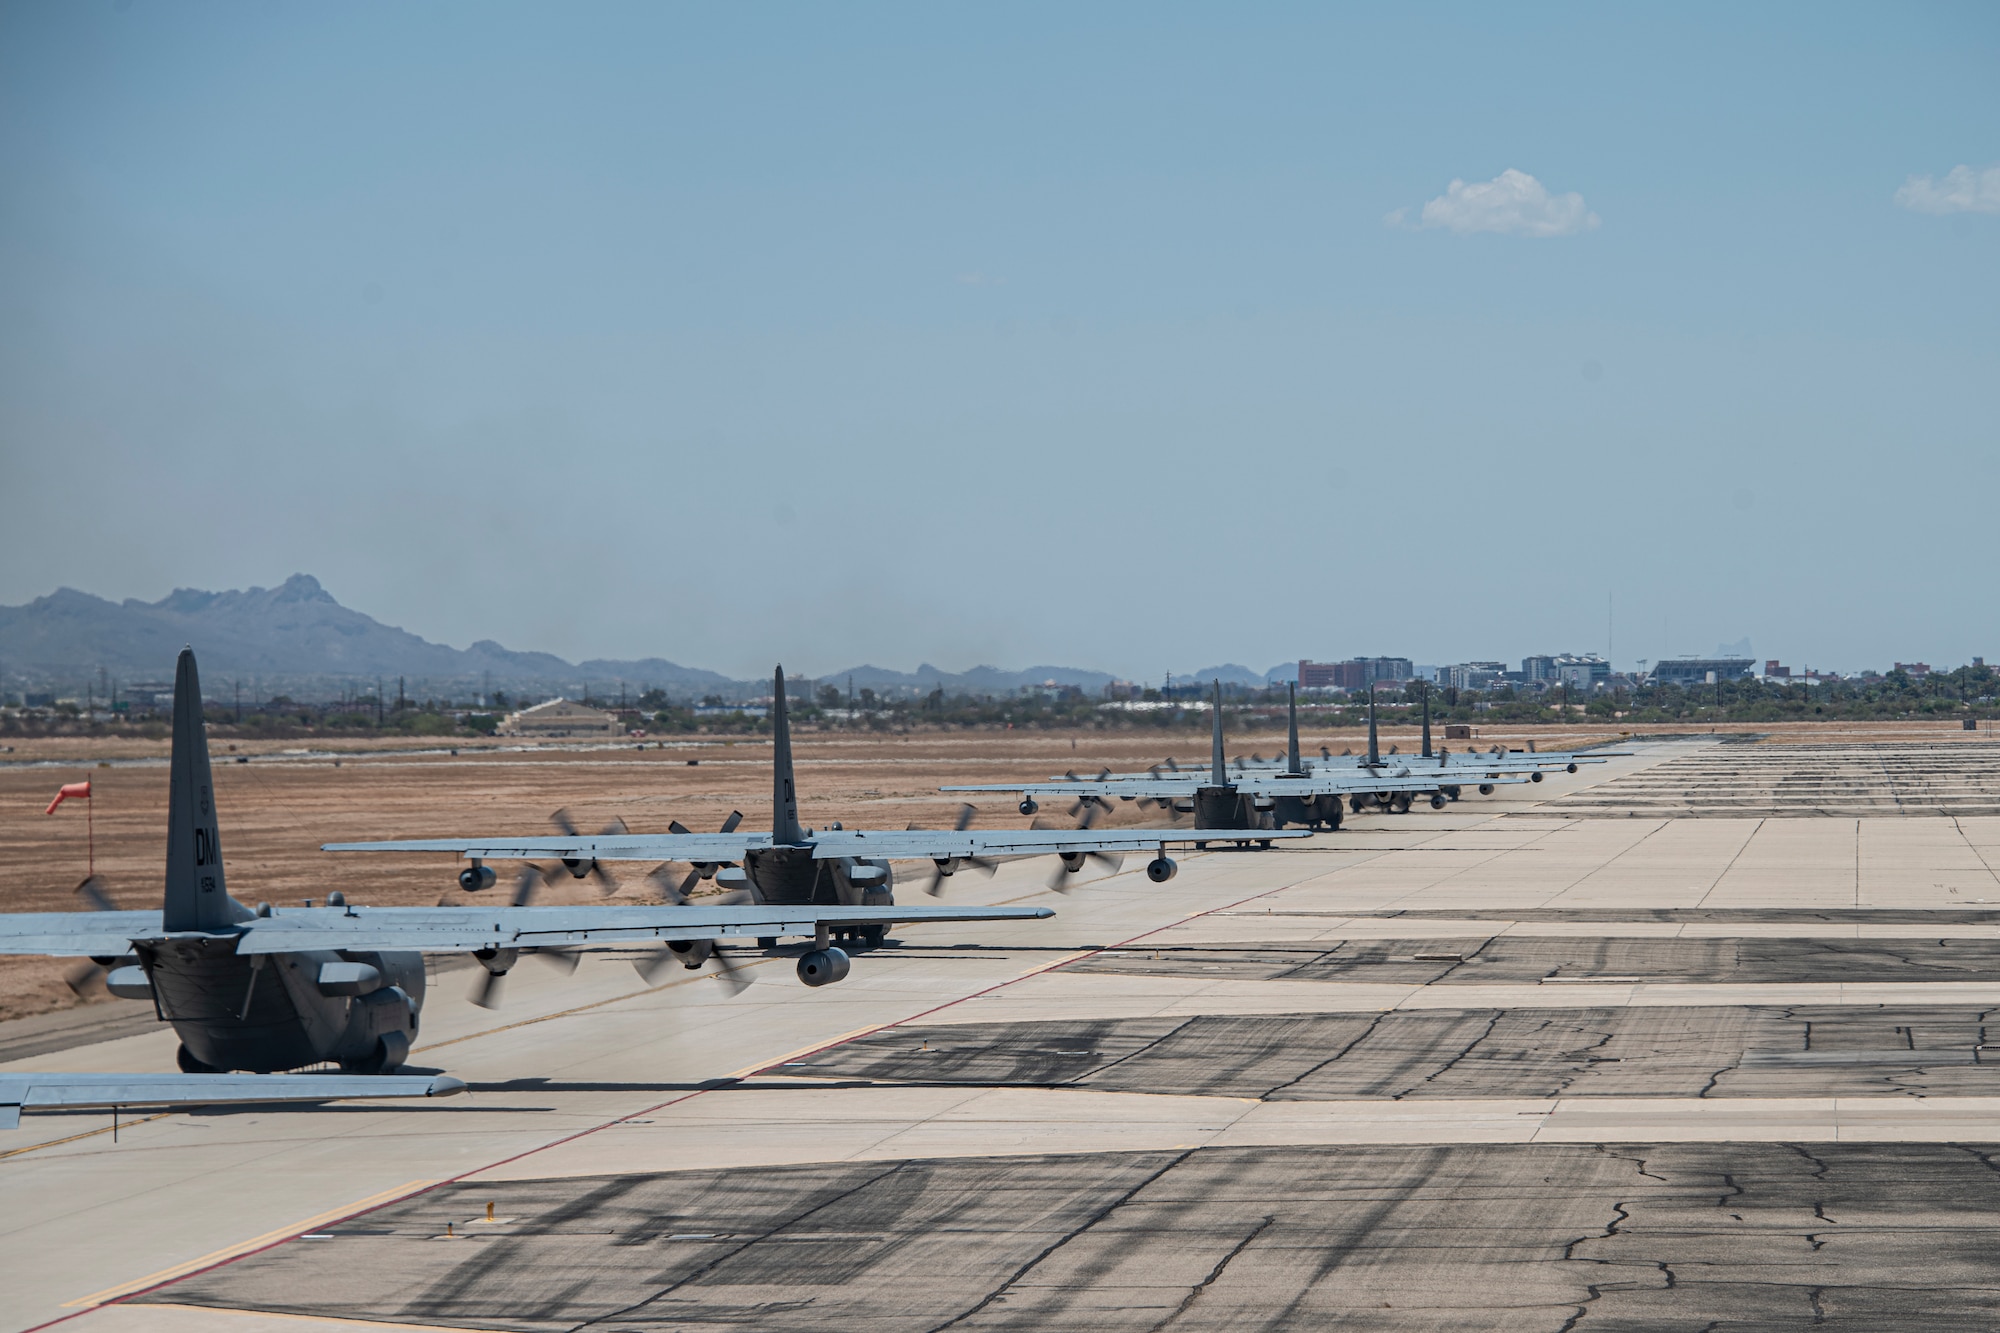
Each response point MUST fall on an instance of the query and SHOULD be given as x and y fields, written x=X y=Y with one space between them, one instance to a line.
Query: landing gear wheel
x=189 y=1065
x=872 y=936
x=1354 y=803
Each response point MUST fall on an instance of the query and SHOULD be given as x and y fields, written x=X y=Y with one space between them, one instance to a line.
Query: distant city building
x=560 y=718
x=1775 y=670
x=1701 y=670
x=1354 y=674
x=1538 y=668
x=1917 y=669
x=1583 y=673
x=1473 y=675
x=1122 y=689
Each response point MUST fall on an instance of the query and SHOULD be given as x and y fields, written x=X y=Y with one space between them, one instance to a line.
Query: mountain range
x=297 y=639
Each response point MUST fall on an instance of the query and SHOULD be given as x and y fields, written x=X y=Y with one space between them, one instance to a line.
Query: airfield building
x=561 y=719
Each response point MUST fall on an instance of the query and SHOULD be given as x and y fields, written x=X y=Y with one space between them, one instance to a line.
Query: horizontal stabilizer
x=58 y=1091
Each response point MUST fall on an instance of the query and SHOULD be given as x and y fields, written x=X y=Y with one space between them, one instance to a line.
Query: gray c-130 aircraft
x=794 y=868
x=1261 y=799
x=264 y=990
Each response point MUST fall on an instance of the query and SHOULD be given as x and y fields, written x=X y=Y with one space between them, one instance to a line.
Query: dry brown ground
x=277 y=808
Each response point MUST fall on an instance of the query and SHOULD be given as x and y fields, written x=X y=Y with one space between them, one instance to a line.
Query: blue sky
x=1117 y=336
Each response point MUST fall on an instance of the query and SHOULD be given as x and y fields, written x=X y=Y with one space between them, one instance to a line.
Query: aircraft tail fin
x=784 y=794
x=1218 y=768
x=1427 y=721
x=1292 y=730
x=196 y=896
x=1374 y=746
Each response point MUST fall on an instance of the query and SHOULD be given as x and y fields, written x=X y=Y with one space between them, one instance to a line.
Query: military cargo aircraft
x=269 y=989
x=1263 y=799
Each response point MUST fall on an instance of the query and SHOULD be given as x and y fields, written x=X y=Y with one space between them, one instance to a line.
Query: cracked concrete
x=1730 y=1235
x=1692 y=1051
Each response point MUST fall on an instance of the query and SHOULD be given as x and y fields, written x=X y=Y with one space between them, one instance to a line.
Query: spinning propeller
x=984 y=865
x=487 y=990
x=697 y=870
x=606 y=885
x=1061 y=879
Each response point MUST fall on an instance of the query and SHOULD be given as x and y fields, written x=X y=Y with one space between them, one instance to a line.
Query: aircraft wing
x=945 y=844
x=709 y=848
x=469 y=929
x=1253 y=782
x=75 y=934
x=55 y=1091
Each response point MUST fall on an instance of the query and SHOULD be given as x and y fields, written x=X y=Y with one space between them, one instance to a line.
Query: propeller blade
x=729 y=824
x=653 y=964
x=564 y=960
x=733 y=898
x=615 y=829
x=1062 y=878
x=675 y=893
x=86 y=979
x=1077 y=807
x=529 y=884
x=1108 y=862
x=966 y=813
x=486 y=993
x=91 y=890
x=732 y=977
x=607 y=884
x=675 y=826
x=564 y=824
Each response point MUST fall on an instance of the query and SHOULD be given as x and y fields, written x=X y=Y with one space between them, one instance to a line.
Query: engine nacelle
x=1485 y=789
x=1028 y=806
x=1570 y=769
x=347 y=978
x=1437 y=800
x=1161 y=869
x=475 y=877
x=692 y=953
x=579 y=866
x=1535 y=776
x=823 y=967
x=1073 y=861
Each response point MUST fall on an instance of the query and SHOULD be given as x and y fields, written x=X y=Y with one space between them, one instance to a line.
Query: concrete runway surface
x=1493 y=1067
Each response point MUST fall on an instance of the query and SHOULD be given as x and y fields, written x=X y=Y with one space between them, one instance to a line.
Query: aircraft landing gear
x=872 y=936
x=189 y=1065
x=391 y=1049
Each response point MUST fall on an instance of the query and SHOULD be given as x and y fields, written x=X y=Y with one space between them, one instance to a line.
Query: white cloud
x=1512 y=204
x=1962 y=190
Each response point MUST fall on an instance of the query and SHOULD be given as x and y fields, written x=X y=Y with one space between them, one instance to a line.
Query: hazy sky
x=1137 y=337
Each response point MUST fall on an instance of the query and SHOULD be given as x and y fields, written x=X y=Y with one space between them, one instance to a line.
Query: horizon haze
x=1122 y=337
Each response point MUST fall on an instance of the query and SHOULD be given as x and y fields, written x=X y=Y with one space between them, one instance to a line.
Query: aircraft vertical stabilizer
x=1219 y=768
x=1427 y=722
x=1374 y=746
x=1292 y=730
x=784 y=794
x=196 y=898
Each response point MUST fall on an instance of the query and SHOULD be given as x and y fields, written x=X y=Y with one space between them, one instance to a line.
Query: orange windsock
x=71 y=791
